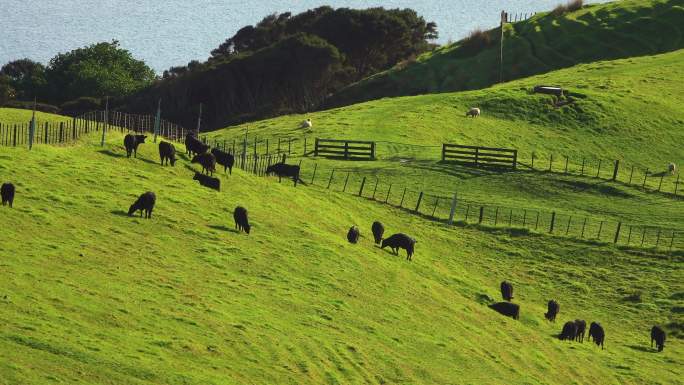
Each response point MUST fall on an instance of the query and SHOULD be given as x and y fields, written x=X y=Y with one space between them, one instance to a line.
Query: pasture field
x=21 y=116
x=628 y=110
x=90 y=295
x=543 y=43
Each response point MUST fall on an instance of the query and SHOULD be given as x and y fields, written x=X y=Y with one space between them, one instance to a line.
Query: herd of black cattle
x=572 y=330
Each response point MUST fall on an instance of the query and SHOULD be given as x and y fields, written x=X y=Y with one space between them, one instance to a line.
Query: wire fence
x=255 y=156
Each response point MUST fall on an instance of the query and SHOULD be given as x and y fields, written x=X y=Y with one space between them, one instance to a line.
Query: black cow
x=507 y=308
x=208 y=162
x=597 y=334
x=658 y=335
x=7 y=192
x=378 y=230
x=167 y=152
x=285 y=170
x=397 y=241
x=552 y=310
x=569 y=331
x=193 y=146
x=241 y=221
x=131 y=142
x=353 y=234
x=208 y=181
x=224 y=159
x=506 y=291
x=145 y=203
x=581 y=327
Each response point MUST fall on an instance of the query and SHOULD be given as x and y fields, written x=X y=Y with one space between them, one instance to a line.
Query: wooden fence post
x=316 y=148
x=524 y=217
x=631 y=173
x=566 y=164
x=536 y=223
x=567 y=228
x=443 y=152
x=434 y=209
x=496 y=216
x=420 y=198
x=401 y=204
x=617 y=233
x=629 y=235
x=598 y=171
x=550 y=162
x=515 y=159
x=376 y=187
x=467 y=212
x=643 y=236
x=582 y=171
x=658 y=238
x=479 y=221
x=600 y=230
x=676 y=185
x=331 y=178
x=388 y=193
x=615 y=171
x=363 y=183
x=61 y=132
x=452 y=212
x=661 y=182
x=553 y=222
x=584 y=225
x=643 y=185
x=532 y=161
x=314 y=173
x=345 y=182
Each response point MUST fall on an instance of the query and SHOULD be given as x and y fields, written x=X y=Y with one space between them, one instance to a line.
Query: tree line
x=283 y=64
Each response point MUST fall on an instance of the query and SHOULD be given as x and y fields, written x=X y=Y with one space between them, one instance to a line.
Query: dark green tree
x=98 y=70
x=26 y=77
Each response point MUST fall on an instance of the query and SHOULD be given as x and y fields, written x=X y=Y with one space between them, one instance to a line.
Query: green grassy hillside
x=628 y=110
x=90 y=295
x=540 y=44
x=20 y=116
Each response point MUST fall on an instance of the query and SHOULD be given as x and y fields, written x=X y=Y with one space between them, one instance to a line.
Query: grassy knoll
x=629 y=109
x=21 y=116
x=541 y=44
x=89 y=295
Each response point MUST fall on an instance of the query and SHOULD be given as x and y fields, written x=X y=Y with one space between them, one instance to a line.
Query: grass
x=543 y=43
x=20 y=116
x=619 y=106
x=90 y=295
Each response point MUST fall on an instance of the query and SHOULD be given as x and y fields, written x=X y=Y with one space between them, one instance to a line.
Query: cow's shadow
x=120 y=213
x=224 y=228
x=642 y=348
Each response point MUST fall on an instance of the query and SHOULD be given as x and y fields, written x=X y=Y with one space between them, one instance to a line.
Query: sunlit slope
x=91 y=295
x=544 y=43
x=19 y=116
x=628 y=110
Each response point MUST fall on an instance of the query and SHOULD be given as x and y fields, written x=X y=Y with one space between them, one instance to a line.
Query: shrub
x=81 y=105
x=26 y=105
x=477 y=41
x=570 y=6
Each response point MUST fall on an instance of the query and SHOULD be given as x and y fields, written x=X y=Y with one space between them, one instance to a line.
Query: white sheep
x=672 y=168
x=474 y=112
x=307 y=124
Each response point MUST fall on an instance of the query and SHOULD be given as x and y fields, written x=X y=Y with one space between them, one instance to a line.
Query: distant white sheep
x=307 y=124
x=672 y=168
x=474 y=112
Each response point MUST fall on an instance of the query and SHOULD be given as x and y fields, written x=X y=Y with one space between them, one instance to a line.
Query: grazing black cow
x=193 y=146
x=208 y=162
x=507 y=308
x=285 y=170
x=167 y=153
x=507 y=291
x=597 y=334
x=581 y=327
x=131 y=142
x=224 y=159
x=145 y=203
x=400 y=240
x=658 y=335
x=7 y=193
x=353 y=234
x=569 y=331
x=208 y=181
x=378 y=230
x=241 y=221
x=552 y=310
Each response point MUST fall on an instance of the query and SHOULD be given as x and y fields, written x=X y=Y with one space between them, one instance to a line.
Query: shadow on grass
x=224 y=228
x=642 y=348
x=111 y=153
x=120 y=213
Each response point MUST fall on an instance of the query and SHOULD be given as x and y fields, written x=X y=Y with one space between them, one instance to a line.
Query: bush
x=25 y=105
x=80 y=106
x=570 y=6
x=477 y=41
